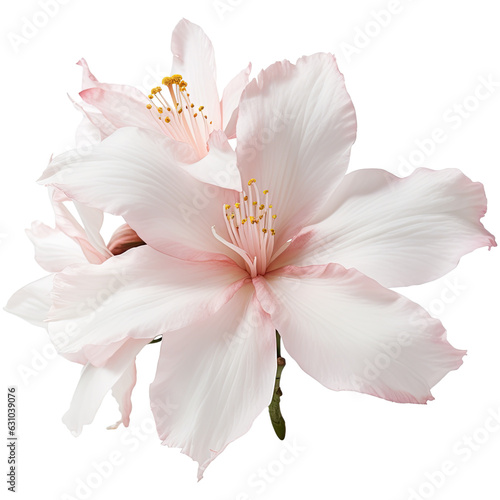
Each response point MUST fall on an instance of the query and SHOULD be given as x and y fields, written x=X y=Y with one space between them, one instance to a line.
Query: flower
x=300 y=248
x=184 y=106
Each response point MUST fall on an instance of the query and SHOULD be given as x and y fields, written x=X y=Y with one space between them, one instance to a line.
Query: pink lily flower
x=189 y=116
x=297 y=247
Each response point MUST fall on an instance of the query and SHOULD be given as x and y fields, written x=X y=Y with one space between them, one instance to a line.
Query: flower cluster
x=223 y=247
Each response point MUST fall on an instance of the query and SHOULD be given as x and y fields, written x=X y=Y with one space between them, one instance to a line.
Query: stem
x=277 y=419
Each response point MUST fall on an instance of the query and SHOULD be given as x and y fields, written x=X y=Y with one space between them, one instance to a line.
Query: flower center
x=180 y=119
x=250 y=224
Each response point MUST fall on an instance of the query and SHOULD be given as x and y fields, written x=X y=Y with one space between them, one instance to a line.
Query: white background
x=405 y=79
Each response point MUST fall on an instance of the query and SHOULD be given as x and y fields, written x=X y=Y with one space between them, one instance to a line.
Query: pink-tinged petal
x=122 y=392
x=400 y=232
x=350 y=333
x=96 y=382
x=214 y=378
x=90 y=81
x=231 y=99
x=219 y=166
x=86 y=132
x=121 y=111
x=93 y=123
x=139 y=294
x=296 y=126
x=194 y=59
x=53 y=249
x=119 y=105
x=32 y=302
x=96 y=354
x=92 y=220
x=138 y=174
x=87 y=236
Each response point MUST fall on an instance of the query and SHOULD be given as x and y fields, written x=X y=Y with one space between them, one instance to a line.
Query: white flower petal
x=116 y=105
x=140 y=294
x=119 y=110
x=122 y=392
x=194 y=59
x=400 y=232
x=350 y=333
x=94 y=127
x=214 y=378
x=54 y=250
x=138 y=174
x=32 y=302
x=231 y=99
x=219 y=166
x=92 y=219
x=67 y=223
x=96 y=382
x=295 y=128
